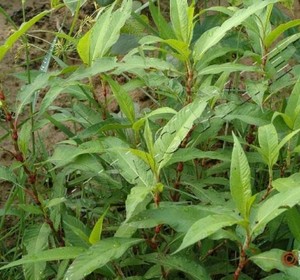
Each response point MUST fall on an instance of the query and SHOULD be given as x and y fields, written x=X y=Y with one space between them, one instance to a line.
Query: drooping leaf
x=272 y=208
x=205 y=227
x=21 y=31
x=226 y=67
x=98 y=255
x=273 y=260
x=175 y=131
x=62 y=253
x=240 y=186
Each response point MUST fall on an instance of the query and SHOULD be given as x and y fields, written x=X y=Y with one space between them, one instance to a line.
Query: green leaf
x=182 y=20
x=63 y=253
x=240 y=186
x=272 y=208
x=176 y=263
x=175 y=131
x=226 y=67
x=106 y=30
x=123 y=98
x=214 y=35
x=73 y=5
x=133 y=169
x=164 y=29
x=293 y=218
x=21 y=31
x=95 y=235
x=35 y=240
x=179 y=217
x=205 y=227
x=292 y=109
x=24 y=138
x=7 y=175
x=137 y=200
x=272 y=259
x=268 y=142
x=99 y=255
x=83 y=47
x=276 y=32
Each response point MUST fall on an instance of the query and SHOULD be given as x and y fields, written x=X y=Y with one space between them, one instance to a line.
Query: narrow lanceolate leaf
x=106 y=30
x=292 y=109
x=213 y=36
x=63 y=253
x=272 y=208
x=35 y=241
x=240 y=186
x=182 y=20
x=98 y=255
x=7 y=175
x=175 y=131
x=124 y=100
x=274 y=34
x=20 y=32
x=95 y=235
x=268 y=142
x=205 y=227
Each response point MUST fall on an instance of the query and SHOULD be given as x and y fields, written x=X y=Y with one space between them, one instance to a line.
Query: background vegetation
x=196 y=179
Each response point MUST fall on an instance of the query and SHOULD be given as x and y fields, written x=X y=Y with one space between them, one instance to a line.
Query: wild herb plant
x=202 y=184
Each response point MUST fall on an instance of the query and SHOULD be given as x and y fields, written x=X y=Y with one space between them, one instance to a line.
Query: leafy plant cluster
x=202 y=184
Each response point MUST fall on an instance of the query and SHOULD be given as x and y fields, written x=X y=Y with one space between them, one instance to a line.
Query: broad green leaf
x=106 y=30
x=292 y=109
x=293 y=217
x=146 y=157
x=268 y=142
x=164 y=29
x=99 y=255
x=123 y=98
x=205 y=227
x=272 y=208
x=179 y=217
x=24 y=138
x=35 y=240
x=21 y=31
x=276 y=32
x=137 y=200
x=213 y=36
x=25 y=96
x=272 y=259
x=7 y=175
x=95 y=235
x=73 y=5
x=180 y=263
x=256 y=89
x=132 y=168
x=240 y=186
x=181 y=47
x=76 y=233
x=182 y=20
x=83 y=47
x=226 y=67
x=63 y=253
x=64 y=154
x=175 y=131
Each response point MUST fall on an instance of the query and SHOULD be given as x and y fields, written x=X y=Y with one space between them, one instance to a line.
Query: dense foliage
x=201 y=183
